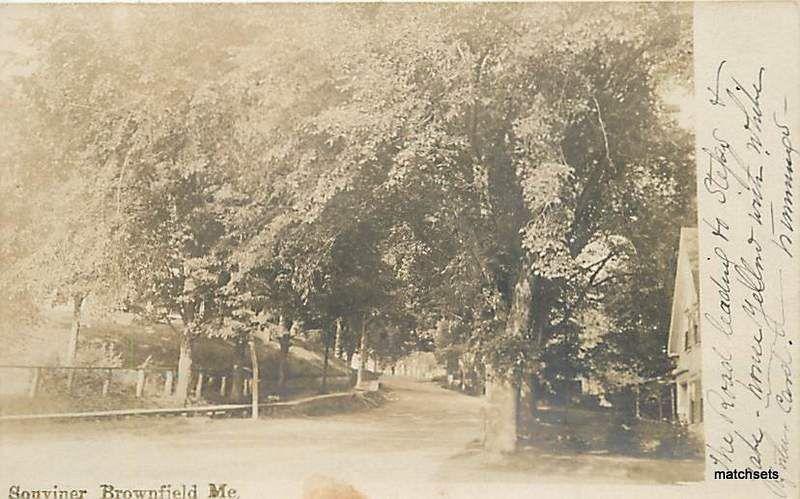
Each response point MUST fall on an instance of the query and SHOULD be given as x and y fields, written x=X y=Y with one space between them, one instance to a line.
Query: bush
x=574 y=443
x=589 y=401
x=641 y=437
x=620 y=437
x=678 y=443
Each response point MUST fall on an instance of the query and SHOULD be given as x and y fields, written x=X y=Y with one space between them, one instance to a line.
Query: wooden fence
x=226 y=410
x=140 y=382
x=34 y=380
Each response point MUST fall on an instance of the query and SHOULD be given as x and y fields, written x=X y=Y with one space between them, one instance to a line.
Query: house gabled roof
x=687 y=268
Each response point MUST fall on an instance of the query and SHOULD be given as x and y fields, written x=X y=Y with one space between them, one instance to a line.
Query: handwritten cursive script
x=747 y=243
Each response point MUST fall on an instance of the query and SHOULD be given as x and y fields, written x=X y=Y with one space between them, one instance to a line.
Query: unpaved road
x=420 y=443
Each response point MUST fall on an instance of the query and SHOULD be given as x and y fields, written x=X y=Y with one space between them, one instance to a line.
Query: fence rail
x=106 y=368
x=150 y=379
x=213 y=385
x=227 y=410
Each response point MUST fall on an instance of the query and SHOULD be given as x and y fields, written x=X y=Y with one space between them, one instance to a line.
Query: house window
x=696 y=331
x=686 y=343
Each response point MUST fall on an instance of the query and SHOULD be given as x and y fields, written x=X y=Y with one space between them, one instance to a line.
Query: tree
x=182 y=219
x=508 y=169
x=532 y=139
x=86 y=95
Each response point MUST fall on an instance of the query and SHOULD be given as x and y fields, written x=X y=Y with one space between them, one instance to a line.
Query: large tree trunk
x=502 y=404
x=184 y=367
x=362 y=354
x=255 y=384
x=504 y=386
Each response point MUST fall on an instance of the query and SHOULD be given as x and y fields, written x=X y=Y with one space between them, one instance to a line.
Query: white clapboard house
x=684 y=334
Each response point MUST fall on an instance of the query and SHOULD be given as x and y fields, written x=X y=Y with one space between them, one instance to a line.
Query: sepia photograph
x=340 y=251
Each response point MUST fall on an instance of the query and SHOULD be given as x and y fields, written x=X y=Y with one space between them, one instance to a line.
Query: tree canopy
x=513 y=170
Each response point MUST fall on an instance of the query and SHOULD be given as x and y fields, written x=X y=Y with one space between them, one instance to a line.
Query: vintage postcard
x=399 y=250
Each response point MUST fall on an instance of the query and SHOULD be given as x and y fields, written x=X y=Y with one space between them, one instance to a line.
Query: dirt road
x=421 y=443
x=404 y=441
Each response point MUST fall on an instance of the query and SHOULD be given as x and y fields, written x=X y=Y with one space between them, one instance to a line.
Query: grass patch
x=581 y=430
x=128 y=345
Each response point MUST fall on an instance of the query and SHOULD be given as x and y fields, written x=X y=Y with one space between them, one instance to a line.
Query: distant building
x=684 y=334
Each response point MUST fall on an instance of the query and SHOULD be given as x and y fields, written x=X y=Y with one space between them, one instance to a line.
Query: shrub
x=678 y=442
x=621 y=437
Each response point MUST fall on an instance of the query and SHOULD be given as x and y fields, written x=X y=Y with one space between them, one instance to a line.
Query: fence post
x=70 y=379
x=168 y=384
x=34 y=382
x=222 y=384
x=199 y=388
x=106 y=383
x=636 y=404
x=140 y=383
